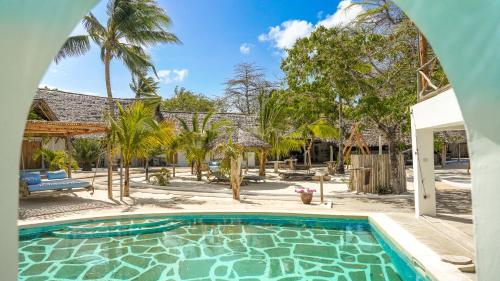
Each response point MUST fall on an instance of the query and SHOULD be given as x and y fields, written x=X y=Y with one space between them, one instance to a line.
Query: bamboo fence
x=372 y=172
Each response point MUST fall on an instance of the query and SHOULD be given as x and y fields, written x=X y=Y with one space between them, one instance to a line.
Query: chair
x=56 y=181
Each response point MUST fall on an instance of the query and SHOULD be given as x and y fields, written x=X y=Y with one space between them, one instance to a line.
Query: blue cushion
x=31 y=177
x=57 y=175
x=58 y=184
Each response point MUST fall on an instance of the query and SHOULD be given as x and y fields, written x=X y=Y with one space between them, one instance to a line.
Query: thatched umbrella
x=233 y=144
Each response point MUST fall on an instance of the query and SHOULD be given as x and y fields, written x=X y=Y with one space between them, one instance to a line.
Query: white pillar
x=423 y=171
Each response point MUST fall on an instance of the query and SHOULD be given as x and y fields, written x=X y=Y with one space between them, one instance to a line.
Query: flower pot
x=306 y=197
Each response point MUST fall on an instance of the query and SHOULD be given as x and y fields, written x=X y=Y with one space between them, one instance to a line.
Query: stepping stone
x=457 y=260
x=468 y=268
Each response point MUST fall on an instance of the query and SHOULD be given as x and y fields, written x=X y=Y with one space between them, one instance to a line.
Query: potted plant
x=306 y=195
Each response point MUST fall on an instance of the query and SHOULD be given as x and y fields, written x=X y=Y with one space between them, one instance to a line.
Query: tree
x=144 y=86
x=243 y=89
x=87 y=152
x=130 y=25
x=323 y=72
x=273 y=125
x=134 y=132
x=232 y=157
x=171 y=151
x=188 y=101
x=198 y=138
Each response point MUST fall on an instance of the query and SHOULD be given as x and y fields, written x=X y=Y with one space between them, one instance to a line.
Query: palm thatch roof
x=249 y=122
x=244 y=139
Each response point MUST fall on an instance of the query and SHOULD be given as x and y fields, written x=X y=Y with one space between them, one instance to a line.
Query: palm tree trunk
x=126 y=186
x=107 y=60
x=340 y=162
x=109 y=155
x=236 y=177
x=198 y=170
x=262 y=163
x=173 y=165
x=309 y=148
x=146 y=166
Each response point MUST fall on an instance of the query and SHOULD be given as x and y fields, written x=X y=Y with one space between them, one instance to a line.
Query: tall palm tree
x=198 y=138
x=133 y=132
x=272 y=127
x=172 y=149
x=144 y=86
x=131 y=25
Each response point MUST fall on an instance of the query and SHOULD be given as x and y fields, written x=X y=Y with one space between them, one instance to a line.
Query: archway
x=33 y=31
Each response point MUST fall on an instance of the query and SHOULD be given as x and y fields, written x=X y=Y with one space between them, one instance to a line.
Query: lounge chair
x=57 y=181
x=254 y=178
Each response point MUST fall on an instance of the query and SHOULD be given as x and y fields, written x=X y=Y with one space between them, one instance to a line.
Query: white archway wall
x=32 y=32
x=463 y=34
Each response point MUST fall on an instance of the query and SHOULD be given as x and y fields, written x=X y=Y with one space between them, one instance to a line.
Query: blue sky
x=215 y=35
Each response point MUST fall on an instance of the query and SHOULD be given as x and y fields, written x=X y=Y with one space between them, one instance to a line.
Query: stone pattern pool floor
x=231 y=251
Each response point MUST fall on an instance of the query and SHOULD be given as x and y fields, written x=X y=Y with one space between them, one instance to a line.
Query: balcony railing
x=429 y=82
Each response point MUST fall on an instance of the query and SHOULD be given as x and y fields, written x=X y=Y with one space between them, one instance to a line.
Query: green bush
x=86 y=152
x=56 y=159
x=161 y=178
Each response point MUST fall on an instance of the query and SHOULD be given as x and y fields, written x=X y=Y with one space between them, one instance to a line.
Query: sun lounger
x=288 y=176
x=254 y=178
x=58 y=181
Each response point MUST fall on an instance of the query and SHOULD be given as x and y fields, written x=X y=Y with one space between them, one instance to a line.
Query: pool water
x=217 y=248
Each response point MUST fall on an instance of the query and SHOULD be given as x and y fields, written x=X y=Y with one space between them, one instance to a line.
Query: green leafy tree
x=188 y=101
x=323 y=72
x=87 y=152
x=56 y=159
x=172 y=149
x=198 y=138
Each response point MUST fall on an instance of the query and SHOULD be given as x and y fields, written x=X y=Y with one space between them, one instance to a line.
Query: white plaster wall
x=441 y=111
x=181 y=160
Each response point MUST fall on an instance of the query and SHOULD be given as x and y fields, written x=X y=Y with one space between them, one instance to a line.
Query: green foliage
x=198 y=138
x=86 y=152
x=188 y=101
x=32 y=115
x=161 y=178
x=56 y=159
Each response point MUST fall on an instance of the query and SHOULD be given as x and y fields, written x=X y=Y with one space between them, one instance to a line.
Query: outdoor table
x=276 y=165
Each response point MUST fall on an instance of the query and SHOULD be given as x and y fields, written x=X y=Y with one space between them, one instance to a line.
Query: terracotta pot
x=306 y=197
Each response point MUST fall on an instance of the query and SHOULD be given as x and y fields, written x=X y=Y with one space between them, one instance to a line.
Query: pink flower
x=299 y=190
x=311 y=190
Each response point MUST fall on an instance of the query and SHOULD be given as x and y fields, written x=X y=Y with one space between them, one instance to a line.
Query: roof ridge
x=82 y=94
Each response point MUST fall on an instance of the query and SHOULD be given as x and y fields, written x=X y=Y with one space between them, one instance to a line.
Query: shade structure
x=40 y=128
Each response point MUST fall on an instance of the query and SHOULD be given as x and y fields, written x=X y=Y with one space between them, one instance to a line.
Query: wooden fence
x=28 y=150
x=371 y=172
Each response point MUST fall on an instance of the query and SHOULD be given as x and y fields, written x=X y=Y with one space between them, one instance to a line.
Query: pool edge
x=418 y=253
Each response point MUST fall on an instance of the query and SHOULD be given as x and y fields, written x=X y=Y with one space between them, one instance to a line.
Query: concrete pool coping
x=422 y=258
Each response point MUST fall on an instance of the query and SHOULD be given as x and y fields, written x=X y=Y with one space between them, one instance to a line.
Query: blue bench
x=57 y=180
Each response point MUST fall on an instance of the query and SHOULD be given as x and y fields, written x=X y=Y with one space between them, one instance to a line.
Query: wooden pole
x=69 y=150
x=331 y=153
x=459 y=152
x=379 y=144
x=121 y=178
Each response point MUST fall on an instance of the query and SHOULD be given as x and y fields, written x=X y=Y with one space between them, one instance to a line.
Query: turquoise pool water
x=212 y=248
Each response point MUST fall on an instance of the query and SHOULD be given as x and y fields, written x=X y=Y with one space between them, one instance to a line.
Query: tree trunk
x=198 y=170
x=192 y=167
x=109 y=155
x=262 y=163
x=443 y=155
x=340 y=158
x=309 y=148
x=173 y=165
x=146 y=166
x=236 y=177
x=111 y=109
x=396 y=184
x=126 y=186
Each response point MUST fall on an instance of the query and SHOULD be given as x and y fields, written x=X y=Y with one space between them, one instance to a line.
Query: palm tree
x=198 y=139
x=172 y=149
x=133 y=132
x=308 y=132
x=87 y=152
x=146 y=88
x=131 y=25
x=232 y=157
x=272 y=127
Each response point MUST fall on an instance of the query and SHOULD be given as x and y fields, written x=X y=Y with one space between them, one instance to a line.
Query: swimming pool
x=213 y=247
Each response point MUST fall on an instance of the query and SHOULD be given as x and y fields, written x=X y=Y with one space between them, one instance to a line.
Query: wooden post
x=69 y=150
x=331 y=153
x=379 y=144
x=458 y=152
x=276 y=165
x=443 y=155
x=321 y=187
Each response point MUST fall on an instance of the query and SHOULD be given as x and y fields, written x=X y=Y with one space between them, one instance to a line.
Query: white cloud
x=168 y=76
x=346 y=13
x=285 y=35
x=245 y=48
